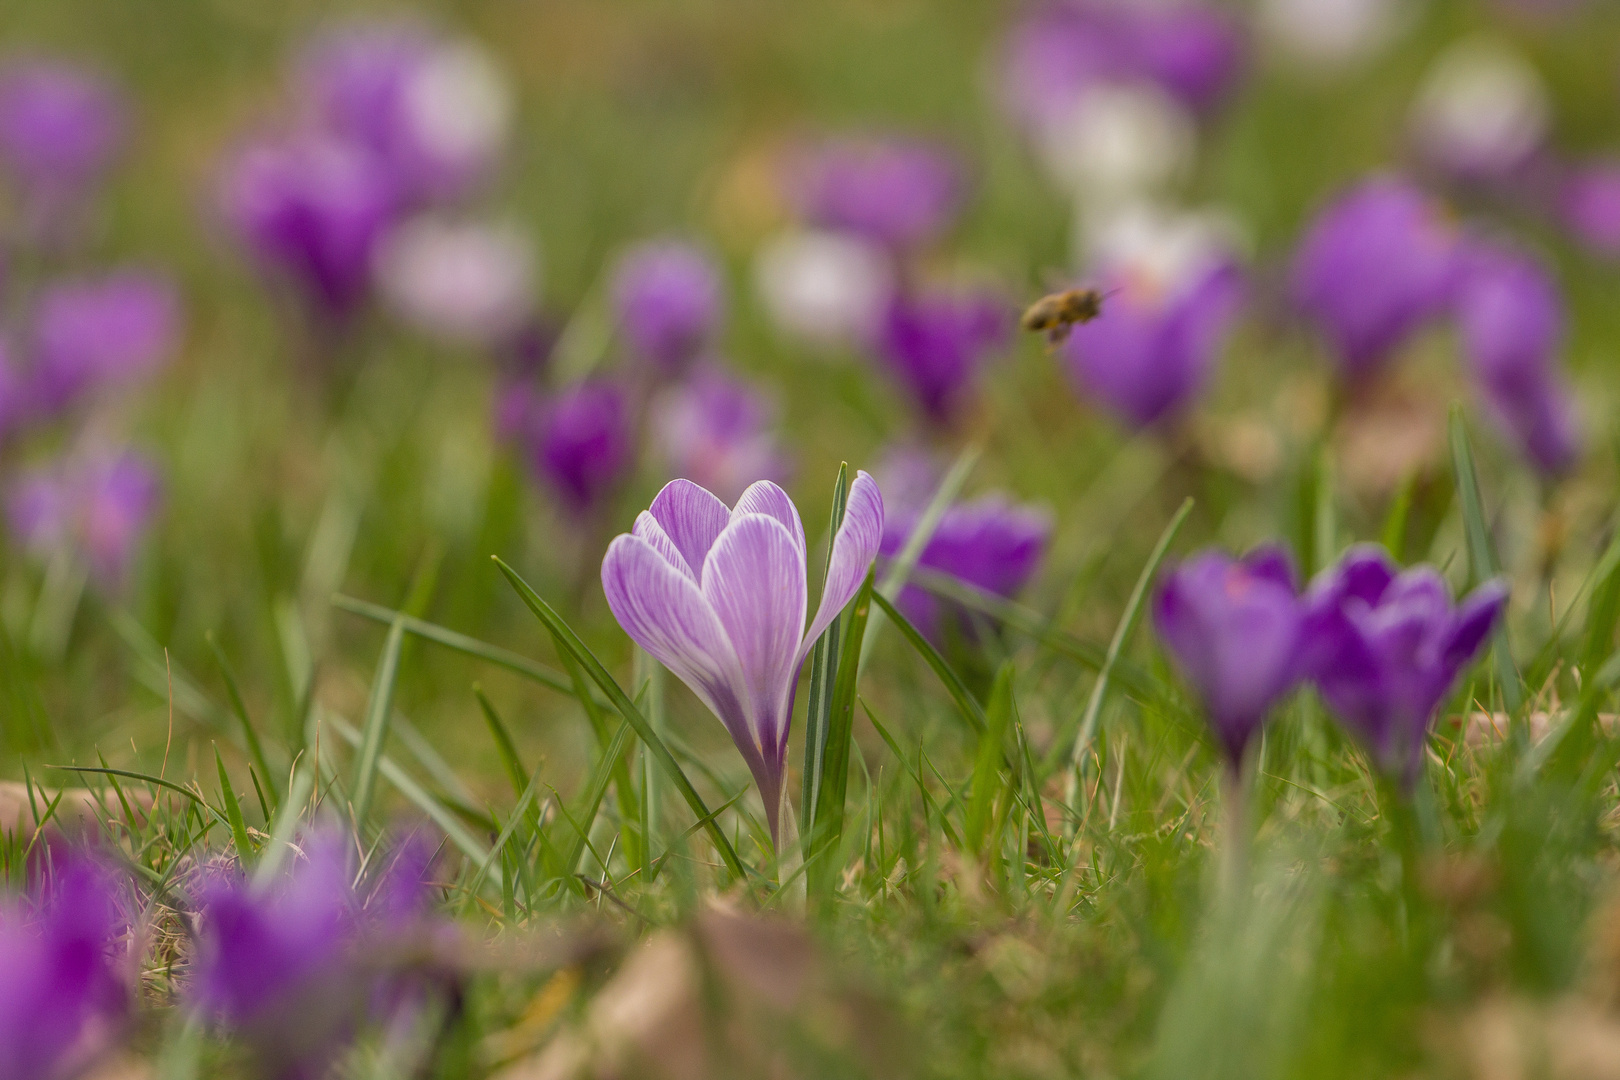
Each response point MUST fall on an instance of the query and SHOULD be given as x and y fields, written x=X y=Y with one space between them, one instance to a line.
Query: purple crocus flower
x=312 y=209
x=98 y=503
x=61 y=997
x=1386 y=646
x=1194 y=50
x=1372 y=269
x=1151 y=351
x=898 y=192
x=276 y=965
x=719 y=597
x=1511 y=316
x=60 y=128
x=935 y=341
x=583 y=443
x=717 y=431
x=1234 y=628
x=105 y=331
x=667 y=301
x=990 y=543
x=1589 y=205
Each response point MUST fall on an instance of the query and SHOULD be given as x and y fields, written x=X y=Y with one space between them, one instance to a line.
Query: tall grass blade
x=1482 y=561
x=239 y=707
x=379 y=710
x=823 y=674
x=966 y=704
x=233 y=813
x=987 y=763
x=504 y=746
x=824 y=830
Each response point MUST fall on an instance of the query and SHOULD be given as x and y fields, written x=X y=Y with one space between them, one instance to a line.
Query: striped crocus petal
x=853 y=550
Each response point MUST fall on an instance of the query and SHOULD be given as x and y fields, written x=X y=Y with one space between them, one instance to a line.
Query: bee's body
x=1057 y=314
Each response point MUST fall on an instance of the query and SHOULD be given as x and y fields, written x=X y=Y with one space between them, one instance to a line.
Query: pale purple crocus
x=719 y=597
x=61 y=127
x=1233 y=627
x=311 y=209
x=990 y=543
x=667 y=302
x=935 y=341
x=583 y=444
x=1386 y=646
x=1589 y=206
x=1151 y=351
x=62 y=998
x=111 y=330
x=1376 y=266
x=719 y=432
x=466 y=283
x=897 y=191
x=96 y=504
x=1512 y=321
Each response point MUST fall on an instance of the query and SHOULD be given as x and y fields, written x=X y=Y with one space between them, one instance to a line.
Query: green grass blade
x=966 y=704
x=504 y=745
x=987 y=763
x=826 y=829
x=300 y=784
x=823 y=673
x=1482 y=561
x=379 y=710
x=1393 y=535
x=233 y=813
x=627 y=709
x=595 y=791
x=239 y=708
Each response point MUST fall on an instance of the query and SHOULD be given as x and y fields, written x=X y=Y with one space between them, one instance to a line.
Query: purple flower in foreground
x=1374 y=267
x=1512 y=321
x=106 y=331
x=98 y=504
x=1590 y=207
x=1234 y=628
x=61 y=997
x=934 y=342
x=990 y=543
x=898 y=192
x=60 y=128
x=667 y=299
x=1385 y=647
x=1151 y=351
x=718 y=432
x=311 y=209
x=583 y=442
x=719 y=597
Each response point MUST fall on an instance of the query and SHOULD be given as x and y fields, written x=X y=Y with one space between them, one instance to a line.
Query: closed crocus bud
x=1589 y=205
x=311 y=209
x=828 y=288
x=98 y=504
x=105 y=331
x=935 y=341
x=1375 y=266
x=898 y=192
x=1385 y=648
x=62 y=1000
x=668 y=302
x=719 y=432
x=990 y=543
x=60 y=128
x=583 y=444
x=465 y=283
x=1511 y=316
x=1327 y=36
x=1481 y=112
x=1233 y=627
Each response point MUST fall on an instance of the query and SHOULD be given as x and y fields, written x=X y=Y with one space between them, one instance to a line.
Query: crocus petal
x=1271 y=562
x=764 y=497
x=663 y=612
x=754 y=582
x=853 y=550
x=1476 y=618
x=648 y=529
x=692 y=517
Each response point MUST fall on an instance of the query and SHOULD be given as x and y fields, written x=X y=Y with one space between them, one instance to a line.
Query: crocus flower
x=1150 y=352
x=61 y=997
x=828 y=288
x=103 y=331
x=667 y=300
x=434 y=112
x=990 y=543
x=1328 y=35
x=60 y=128
x=1511 y=316
x=935 y=341
x=1233 y=627
x=898 y=192
x=1481 y=112
x=718 y=432
x=98 y=504
x=1373 y=268
x=1194 y=50
x=719 y=597
x=1589 y=205
x=1386 y=646
x=583 y=444
x=312 y=209
x=276 y=965
x=468 y=283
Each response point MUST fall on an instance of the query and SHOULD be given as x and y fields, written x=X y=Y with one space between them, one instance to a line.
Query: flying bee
x=1055 y=315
